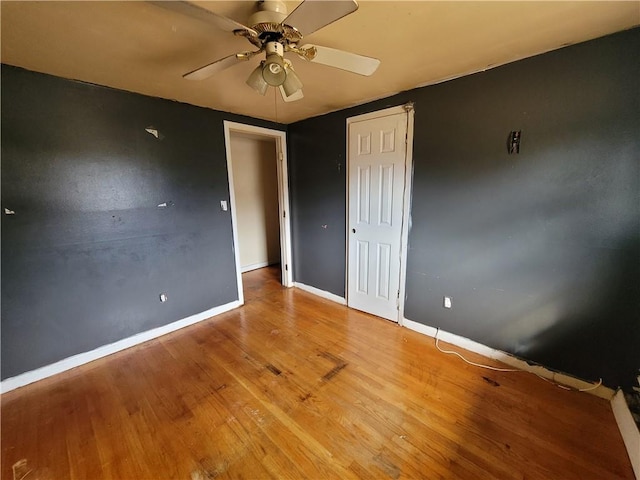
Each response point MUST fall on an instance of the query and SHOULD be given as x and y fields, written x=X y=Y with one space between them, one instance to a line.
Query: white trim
x=286 y=258
x=406 y=213
x=86 y=357
x=387 y=112
x=408 y=110
x=515 y=362
x=321 y=293
x=628 y=429
x=234 y=219
x=280 y=138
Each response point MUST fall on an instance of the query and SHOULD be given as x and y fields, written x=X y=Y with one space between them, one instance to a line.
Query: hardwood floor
x=294 y=386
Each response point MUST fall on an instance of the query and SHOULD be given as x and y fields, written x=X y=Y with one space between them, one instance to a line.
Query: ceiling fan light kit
x=275 y=33
x=273 y=69
x=256 y=81
x=292 y=83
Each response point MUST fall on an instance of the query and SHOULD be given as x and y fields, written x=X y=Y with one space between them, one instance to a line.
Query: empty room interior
x=320 y=239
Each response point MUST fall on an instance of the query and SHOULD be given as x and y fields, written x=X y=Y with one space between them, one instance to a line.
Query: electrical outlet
x=446 y=302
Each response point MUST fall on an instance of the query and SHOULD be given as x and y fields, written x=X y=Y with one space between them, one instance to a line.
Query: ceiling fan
x=274 y=32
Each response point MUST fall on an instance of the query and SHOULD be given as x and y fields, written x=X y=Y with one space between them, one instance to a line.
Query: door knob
x=353 y=230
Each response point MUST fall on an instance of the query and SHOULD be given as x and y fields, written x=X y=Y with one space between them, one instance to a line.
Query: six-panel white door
x=377 y=152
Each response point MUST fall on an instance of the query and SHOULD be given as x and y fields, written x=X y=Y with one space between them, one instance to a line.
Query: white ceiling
x=140 y=47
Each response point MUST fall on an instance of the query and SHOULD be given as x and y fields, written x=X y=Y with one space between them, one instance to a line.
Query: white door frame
x=283 y=197
x=408 y=184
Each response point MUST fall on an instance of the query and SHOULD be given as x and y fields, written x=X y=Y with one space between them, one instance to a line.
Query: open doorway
x=256 y=162
x=255 y=185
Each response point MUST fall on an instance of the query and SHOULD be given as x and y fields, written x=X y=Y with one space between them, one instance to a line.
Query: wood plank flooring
x=294 y=386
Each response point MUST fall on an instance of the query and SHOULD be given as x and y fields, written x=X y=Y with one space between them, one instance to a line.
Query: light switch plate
x=446 y=302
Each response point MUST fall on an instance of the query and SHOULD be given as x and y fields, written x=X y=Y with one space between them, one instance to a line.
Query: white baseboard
x=628 y=429
x=557 y=377
x=86 y=357
x=255 y=266
x=321 y=293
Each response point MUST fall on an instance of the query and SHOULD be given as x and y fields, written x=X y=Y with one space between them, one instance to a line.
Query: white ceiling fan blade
x=291 y=98
x=194 y=11
x=312 y=15
x=213 y=68
x=351 y=62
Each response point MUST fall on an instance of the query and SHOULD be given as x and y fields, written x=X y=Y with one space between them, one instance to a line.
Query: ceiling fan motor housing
x=269 y=16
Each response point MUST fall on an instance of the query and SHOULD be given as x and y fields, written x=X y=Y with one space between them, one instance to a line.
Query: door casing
x=283 y=197
x=406 y=202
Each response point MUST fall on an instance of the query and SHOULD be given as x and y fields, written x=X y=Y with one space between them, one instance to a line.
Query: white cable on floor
x=591 y=388
x=451 y=352
x=488 y=367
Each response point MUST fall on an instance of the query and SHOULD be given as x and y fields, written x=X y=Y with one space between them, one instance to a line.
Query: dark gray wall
x=317 y=184
x=540 y=251
x=88 y=252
